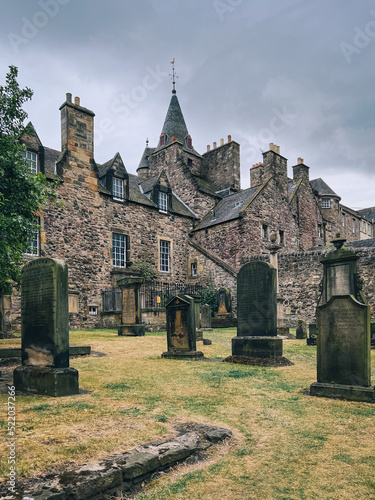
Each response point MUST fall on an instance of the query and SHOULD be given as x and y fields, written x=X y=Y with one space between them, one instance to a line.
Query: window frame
x=93 y=310
x=33 y=163
x=117 y=188
x=163 y=202
x=119 y=252
x=194 y=266
x=34 y=243
x=326 y=202
x=165 y=262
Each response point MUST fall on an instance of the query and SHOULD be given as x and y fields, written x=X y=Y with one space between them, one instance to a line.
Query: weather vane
x=174 y=76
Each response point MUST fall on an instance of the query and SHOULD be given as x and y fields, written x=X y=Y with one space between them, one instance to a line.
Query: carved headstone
x=45 y=330
x=223 y=302
x=256 y=312
x=343 y=324
x=131 y=321
x=181 y=334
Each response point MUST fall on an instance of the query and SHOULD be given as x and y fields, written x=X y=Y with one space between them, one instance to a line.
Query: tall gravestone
x=257 y=312
x=206 y=317
x=301 y=329
x=343 y=323
x=45 y=330
x=181 y=332
x=131 y=320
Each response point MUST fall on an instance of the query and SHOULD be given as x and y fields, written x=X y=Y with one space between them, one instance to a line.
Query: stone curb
x=121 y=473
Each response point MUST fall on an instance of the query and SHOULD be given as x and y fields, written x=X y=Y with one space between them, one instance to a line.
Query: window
x=281 y=237
x=31 y=160
x=162 y=140
x=343 y=220
x=326 y=203
x=189 y=142
x=194 y=269
x=368 y=228
x=353 y=226
x=190 y=162
x=165 y=248
x=319 y=230
x=118 y=250
x=162 y=202
x=93 y=310
x=117 y=189
x=265 y=231
x=33 y=243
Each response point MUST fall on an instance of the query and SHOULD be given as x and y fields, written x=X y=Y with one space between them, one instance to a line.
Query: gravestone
x=131 y=320
x=181 y=332
x=223 y=303
x=311 y=340
x=5 y=316
x=343 y=324
x=45 y=330
x=372 y=328
x=257 y=312
x=301 y=329
x=206 y=317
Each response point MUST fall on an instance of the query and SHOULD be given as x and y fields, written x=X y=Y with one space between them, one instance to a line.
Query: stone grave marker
x=343 y=323
x=223 y=302
x=181 y=332
x=206 y=317
x=131 y=320
x=256 y=312
x=45 y=330
x=311 y=340
x=372 y=328
x=301 y=329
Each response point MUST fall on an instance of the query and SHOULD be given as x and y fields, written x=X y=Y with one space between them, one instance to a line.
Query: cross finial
x=173 y=76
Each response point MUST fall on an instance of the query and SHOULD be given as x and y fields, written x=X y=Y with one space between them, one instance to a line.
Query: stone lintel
x=341 y=391
x=46 y=381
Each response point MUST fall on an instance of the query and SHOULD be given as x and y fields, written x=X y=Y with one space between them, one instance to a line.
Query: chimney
x=275 y=166
x=221 y=142
x=173 y=138
x=256 y=174
x=300 y=171
x=208 y=148
x=215 y=145
x=229 y=138
x=77 y=129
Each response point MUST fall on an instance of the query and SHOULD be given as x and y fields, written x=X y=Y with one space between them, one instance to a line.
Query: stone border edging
x=122 y=473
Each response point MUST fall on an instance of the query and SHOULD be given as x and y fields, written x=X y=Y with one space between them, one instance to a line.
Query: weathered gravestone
x=206 y=317
x=311 y=340
x=372 y=335
x=343 y=323
x=257 y=312
x=181 y=334
x=131 y=321
x=45 y=330
x=301 y=329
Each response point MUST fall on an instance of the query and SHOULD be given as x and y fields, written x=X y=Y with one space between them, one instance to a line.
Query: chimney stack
x=208 y=148
x=77 y=101
x=229 y=138
x=221 y=142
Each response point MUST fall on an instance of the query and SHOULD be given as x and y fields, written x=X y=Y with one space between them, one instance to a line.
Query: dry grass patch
x=287 y=445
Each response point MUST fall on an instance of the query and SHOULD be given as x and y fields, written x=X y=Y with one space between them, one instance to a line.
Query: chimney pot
x=68 y=97
x=215 y=145
x=300 y=160
x=229 y=138
x=221 y=142
x=77 y=101
x=208 y=147
x=173 y=138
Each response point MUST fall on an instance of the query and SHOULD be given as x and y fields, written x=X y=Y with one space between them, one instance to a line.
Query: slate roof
x=292 y=188
x=321 y=188
x=148 y=184
x=228 y=208
x=51 y=156
x=174 y=123
x=144 y=160
x=370 y=243
x=135 y=193
x=368 y=214
x=206 y=187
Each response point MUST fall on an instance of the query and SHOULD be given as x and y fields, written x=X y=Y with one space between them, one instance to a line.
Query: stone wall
x=221 y=166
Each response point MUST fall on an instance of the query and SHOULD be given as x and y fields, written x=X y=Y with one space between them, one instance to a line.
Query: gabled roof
x=51 y=157
x=135 y=193
x=368 y=214
x=174 y=123
x=206 y=187
x=116 y=161
x=321 y=188
x=30 y=138
x=148 y=184
x=229 y=208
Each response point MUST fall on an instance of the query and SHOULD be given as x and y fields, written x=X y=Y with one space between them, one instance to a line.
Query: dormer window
x=163 y=202
x=32 y=160
x=117 y=189
x=162 y=140
x=189 y=142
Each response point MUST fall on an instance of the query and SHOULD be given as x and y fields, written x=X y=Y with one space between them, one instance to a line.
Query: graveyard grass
x=285 y=445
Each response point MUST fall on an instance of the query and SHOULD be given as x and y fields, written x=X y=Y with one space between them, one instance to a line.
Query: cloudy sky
x=299 y=73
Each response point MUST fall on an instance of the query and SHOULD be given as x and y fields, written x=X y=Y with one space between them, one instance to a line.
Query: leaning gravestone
x=181 y=334
x=257 y=312
x=343 y=323
x=45 y=330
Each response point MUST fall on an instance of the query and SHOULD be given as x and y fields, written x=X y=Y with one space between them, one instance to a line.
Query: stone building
x=184 y=213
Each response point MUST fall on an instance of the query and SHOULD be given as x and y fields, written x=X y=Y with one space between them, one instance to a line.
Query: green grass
x=285 y=444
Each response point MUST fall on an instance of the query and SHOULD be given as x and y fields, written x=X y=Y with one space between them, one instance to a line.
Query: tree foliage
x=209 y=296
x=21 y=191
